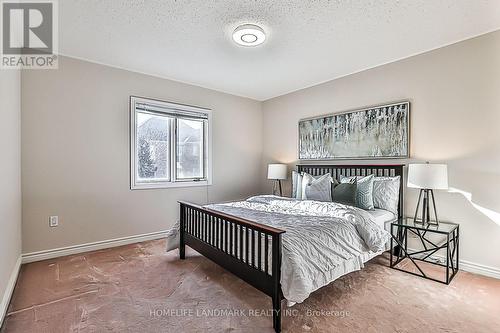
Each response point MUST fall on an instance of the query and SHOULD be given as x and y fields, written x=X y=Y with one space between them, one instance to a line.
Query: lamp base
x=419 y=221
x=426 y=195
x=277 y=190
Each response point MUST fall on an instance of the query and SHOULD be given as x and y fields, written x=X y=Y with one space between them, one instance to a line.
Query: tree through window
x=169 y=144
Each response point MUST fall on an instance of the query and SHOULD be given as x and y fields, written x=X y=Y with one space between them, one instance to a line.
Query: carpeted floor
x=139 y=288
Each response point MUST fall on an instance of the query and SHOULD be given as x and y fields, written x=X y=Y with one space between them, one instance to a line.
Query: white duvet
x=323 y=240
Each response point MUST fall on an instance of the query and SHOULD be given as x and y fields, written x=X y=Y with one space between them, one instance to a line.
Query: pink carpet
x=139 y=288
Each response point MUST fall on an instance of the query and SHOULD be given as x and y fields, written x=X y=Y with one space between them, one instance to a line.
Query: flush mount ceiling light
x=249 y=35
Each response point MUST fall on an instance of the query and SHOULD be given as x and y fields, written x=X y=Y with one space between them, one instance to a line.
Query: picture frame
x=374 y=132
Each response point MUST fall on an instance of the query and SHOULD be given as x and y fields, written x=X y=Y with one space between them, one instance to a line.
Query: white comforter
x=323 y=240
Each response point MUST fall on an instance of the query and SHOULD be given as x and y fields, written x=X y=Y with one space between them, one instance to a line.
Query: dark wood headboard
x=360 y=170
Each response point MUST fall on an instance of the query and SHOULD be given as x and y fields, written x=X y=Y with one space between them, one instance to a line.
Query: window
x=169 y=145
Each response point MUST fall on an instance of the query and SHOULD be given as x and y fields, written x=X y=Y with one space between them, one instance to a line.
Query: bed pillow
x=317 y=188
x=344 y=193
x=295 y=183
x=386 y=193
x=364 y=190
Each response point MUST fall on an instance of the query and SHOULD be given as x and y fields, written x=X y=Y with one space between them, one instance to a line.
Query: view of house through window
x=169 y=144
x=190 y=143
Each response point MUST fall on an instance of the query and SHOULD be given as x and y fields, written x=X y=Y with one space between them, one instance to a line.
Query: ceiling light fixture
x=249 y=35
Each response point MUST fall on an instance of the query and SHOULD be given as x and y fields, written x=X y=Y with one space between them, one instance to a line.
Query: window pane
x=190 y=148
x=153 y=151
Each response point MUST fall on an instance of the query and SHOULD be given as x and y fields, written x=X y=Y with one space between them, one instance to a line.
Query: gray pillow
x=386 y=193
x=344 y=193
x=317 y=188
x=364 y=193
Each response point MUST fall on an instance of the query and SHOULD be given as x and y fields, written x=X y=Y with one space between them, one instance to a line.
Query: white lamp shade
x=428 y=176
x=276 y=171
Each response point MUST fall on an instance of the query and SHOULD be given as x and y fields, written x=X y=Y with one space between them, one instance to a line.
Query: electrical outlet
x=53 y=221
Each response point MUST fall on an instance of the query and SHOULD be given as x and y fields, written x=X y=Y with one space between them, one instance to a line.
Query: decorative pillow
x=317 y=188
x=364 y=193
x=344 y=193
x=386 y=193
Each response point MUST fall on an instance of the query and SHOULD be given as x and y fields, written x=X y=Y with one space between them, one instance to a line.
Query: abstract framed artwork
x=376 y=132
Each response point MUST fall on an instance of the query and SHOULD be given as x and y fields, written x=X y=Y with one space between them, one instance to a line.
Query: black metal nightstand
x=451 y=231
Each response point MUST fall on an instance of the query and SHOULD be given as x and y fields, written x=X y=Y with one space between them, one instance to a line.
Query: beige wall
x=10 y=180
x=455 y=118
x=75 y=154
x=75 y=142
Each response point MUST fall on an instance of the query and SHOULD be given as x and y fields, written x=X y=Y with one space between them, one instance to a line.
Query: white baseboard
x=75 y=249
x=479 y=269
x=470 y=267
x=9 y=290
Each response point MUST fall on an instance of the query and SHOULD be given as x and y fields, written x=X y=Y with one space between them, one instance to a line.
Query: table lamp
x=277 y=172
x=427 y=177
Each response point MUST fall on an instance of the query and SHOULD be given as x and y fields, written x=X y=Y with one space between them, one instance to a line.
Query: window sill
x=146 y=186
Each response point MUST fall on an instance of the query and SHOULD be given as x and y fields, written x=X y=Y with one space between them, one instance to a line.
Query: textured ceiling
x=309 y=42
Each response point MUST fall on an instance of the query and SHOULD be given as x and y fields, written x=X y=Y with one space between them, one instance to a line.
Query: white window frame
x=175 y=110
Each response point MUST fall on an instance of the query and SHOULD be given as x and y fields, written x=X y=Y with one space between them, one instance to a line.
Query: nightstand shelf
x=448 y=234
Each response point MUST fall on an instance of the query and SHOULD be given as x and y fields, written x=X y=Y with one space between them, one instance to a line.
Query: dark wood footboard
x=250 y=250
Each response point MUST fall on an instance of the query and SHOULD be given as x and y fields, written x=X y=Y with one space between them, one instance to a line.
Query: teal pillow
x=344 y=193
x=364 y=190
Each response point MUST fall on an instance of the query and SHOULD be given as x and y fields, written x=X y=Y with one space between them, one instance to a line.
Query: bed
x=267 y=240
